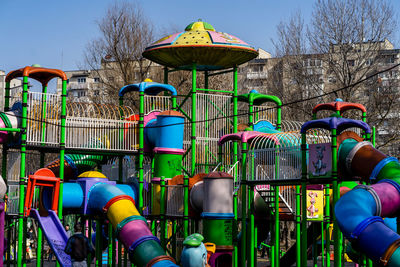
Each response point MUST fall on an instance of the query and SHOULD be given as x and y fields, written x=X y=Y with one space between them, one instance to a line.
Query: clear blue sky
x=55 y=33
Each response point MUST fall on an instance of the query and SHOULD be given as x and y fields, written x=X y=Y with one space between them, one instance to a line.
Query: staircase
x=287 y=200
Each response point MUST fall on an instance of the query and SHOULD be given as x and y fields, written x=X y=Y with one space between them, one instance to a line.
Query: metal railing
x=13 y=199
x=147 y=186
x=93 y=133
x=265 y=112
x=174 y=200
x=44 y=112
x=275 y=157
x=160 y=103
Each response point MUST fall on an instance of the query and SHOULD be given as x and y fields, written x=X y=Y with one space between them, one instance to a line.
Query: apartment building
x=96 y=85
x=308 y=75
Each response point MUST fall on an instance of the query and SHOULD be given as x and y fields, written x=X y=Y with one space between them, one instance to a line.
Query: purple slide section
x=55 y=234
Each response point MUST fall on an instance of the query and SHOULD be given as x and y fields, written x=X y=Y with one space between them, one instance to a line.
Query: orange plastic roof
x=40 y=74
x=339 y=106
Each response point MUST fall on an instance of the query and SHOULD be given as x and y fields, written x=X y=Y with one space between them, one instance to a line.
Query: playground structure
x=193 y=170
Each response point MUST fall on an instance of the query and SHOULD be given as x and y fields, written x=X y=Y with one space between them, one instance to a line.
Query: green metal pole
x=7 y=96
x=252 y=228
x=298 y=227
x=185 y=206
x=141 y=151
x=114 y=258
x=194 y=103
x=235 y=147
x=374 y=136
x=279 y=117
x=98 y=244
x=162 y=212
x=206 y=127
x=244 y=206
x=251 y=110
x=21 y=241
x=327 y=225
x=337 y=236
x=276 y=204
x=110 y=245
x=303 y=200
x=62 y=144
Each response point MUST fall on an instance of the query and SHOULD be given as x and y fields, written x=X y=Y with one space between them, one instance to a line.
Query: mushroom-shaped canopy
x=43 y=75
x=339 y=106
x=200 y=44
x=340 y=124
x=149 y=88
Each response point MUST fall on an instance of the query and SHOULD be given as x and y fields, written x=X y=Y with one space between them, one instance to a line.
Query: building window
x=81 y=80
x=96 y=92
x=96 y=80
x=331 y=79
x=351 y=62
x=389 y=59
x=81 y=93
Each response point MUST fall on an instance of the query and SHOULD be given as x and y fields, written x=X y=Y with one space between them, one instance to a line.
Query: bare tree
x=116 y=56
x=345 y=42
x=297 y=71
x=350 y=34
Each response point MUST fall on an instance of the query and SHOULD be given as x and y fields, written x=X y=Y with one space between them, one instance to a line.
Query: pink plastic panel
x=221 y=37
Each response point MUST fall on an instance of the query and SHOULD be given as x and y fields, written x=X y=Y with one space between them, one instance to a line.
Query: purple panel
x=390 y=198
x=55 y=234
x=86 y=184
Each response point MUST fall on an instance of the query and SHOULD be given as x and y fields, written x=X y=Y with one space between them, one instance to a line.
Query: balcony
x=76 y=85
x=256 y=75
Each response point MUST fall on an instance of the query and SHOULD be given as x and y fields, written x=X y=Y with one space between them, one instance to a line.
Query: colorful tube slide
x=359 y=212
x=93 y=193
x=131 y=228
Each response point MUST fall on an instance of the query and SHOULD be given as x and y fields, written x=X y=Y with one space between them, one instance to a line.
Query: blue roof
x=149 y=88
